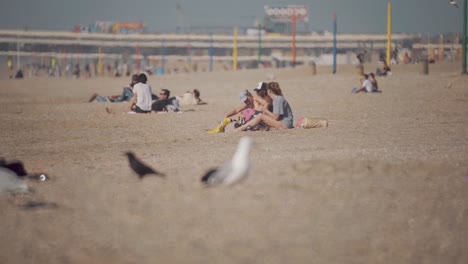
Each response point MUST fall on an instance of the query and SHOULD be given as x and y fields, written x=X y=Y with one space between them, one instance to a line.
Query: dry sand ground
x=387 y=182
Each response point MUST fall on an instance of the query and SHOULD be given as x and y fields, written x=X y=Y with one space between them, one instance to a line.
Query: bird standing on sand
x=139 y=167
x=10 y=182
x=18 y=168
x=234 y=170
x=454 y=3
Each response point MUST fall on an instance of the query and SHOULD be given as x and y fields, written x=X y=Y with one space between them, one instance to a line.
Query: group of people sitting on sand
x=141 y=99
x=368 y=84
x=266 y=109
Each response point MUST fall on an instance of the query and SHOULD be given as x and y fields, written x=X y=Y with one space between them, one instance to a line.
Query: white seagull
x=13 y=177
x=234 y=170
x=454 y=3
x=10 y=182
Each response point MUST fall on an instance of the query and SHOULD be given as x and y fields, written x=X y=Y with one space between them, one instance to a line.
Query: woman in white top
x=368 y=85
x=141 y=100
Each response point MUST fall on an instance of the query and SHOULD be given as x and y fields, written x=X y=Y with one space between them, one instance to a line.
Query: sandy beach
x=386 y=182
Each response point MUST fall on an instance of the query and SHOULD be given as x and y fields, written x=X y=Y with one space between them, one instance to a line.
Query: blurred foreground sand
x=387 y=182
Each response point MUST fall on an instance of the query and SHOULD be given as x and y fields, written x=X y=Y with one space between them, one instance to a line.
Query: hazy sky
x=354 y=16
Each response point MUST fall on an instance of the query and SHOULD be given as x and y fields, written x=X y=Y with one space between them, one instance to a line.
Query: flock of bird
x=14 y=177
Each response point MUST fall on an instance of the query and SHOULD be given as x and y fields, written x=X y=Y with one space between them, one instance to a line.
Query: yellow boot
x=220 y=128
x=225 y=122
x=217 y=129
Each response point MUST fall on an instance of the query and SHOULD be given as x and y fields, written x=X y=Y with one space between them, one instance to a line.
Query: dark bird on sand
x=140 y=168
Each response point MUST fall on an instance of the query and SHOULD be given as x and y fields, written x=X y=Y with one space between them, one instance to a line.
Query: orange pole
x=293 y=46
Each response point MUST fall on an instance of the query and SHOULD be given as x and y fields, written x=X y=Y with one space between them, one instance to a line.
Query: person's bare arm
x=236 y=110
x=264 y=103
x=271 y=114
x=132 y=102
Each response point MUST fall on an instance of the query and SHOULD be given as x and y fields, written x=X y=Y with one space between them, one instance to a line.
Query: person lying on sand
x=190 y=98
x=165 y=103
x=125 y=96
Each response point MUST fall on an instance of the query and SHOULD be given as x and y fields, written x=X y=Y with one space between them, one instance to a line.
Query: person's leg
x=126 y=95
x=220 y=128
x=266 y=119
x=140 y=111
x=102 y=99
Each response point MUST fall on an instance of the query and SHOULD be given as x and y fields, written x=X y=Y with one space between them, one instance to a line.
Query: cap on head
x=244 y=95
x=260 y=86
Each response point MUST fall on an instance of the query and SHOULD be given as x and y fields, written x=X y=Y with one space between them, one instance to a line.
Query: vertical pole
x=163 y=54
x=259 y=53
x=293 y=46
x=441 y=48
x=99 y=69
x=18 y=66
x=465 y=7
x=334 y=43
x=389 y=32
x=137 y=62
x=234 y=51
x=189 y=54
x=211 y=52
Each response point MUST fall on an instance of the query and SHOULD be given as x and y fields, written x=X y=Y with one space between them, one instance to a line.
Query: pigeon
x=233 y=170
x=454 y=3
x=140 y=168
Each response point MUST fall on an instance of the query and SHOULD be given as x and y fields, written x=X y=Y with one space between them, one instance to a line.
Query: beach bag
x=305 y=122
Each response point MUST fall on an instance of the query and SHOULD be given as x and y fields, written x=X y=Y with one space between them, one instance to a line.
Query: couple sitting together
x=144 y=101
x=267 y=109
x=368 y=84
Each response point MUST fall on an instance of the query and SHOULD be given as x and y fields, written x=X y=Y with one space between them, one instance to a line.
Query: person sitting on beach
x=141 y=100
x=127 y=94
x=251 y=106
x=367 y=85
x=360 y=57
x=261 y=101
x=165 y=103
x=190 y=98
x=374 y=82
x=385 y=70
x=280 y=118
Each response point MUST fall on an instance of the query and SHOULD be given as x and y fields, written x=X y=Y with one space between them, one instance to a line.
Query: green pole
x=465 y=7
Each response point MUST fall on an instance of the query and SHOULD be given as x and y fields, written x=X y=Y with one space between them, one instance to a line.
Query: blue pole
x=334 y=43
x=211 y=52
